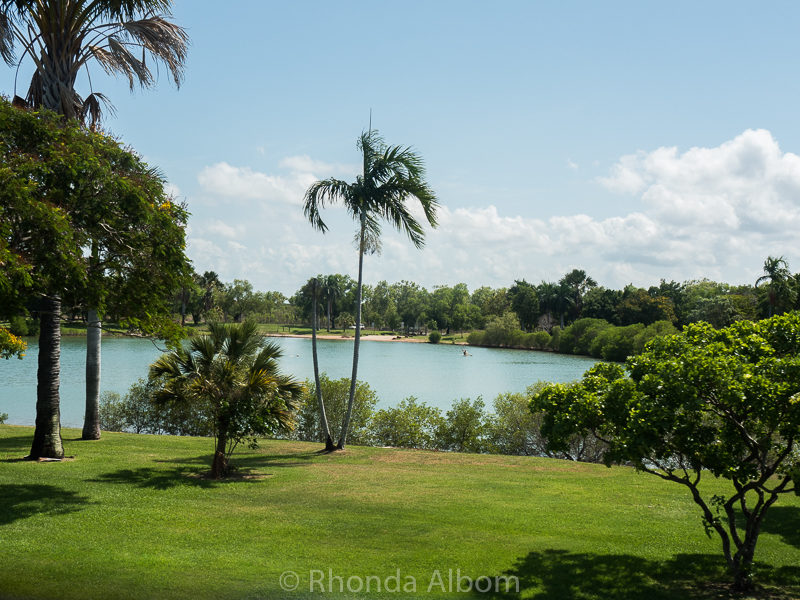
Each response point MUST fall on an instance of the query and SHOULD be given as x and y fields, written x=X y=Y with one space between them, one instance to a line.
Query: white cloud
x=242 y=183
x=706 y=212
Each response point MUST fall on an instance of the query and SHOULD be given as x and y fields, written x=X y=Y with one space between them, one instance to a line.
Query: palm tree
x=391 y=176
x=233 y=374
x=323 y=417
x=331 y=291
x=779 y=288
x=61 y=37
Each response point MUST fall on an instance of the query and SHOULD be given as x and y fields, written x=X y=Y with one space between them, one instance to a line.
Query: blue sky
x=635 y=140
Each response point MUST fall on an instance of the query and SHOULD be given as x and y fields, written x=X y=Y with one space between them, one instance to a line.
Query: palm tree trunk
x=47 y=435
x=219 y=466
x=323 y=418
x=357 y=342
x=91 y=420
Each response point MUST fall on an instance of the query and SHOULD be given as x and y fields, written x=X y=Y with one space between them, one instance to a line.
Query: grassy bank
x=130 y=517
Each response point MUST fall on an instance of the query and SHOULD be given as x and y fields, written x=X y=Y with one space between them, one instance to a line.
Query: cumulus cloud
x=705 y=212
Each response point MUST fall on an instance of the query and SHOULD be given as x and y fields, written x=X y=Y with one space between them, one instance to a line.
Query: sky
x=634 y=140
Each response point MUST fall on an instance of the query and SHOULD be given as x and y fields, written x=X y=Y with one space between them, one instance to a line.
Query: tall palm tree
x=234 y=375
x=323 y=417
x=778 y=279
x=390 y=178
x=61 y=37
x=331 y=291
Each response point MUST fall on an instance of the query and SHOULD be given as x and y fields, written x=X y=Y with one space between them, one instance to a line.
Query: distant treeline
x=537 y=307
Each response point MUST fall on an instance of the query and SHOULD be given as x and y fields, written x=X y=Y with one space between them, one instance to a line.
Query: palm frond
x=165 y=41
x=320 y=193
x=6 y=37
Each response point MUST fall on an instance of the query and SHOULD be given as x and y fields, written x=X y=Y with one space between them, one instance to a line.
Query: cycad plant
x=232 y=375
x=391 y=177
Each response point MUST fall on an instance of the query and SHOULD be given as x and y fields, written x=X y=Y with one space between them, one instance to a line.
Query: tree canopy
x=705 y=402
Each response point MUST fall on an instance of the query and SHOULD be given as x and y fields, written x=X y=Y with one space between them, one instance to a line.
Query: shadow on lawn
x=22 y=501
x=16 y=444
x=160 y=479
x=563 y=575
x=785 y=522
x=248 y=462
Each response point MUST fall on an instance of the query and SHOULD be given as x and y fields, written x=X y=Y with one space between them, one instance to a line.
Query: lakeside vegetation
x=134 y=518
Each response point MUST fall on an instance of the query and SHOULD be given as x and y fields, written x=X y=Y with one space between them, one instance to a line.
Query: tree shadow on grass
x=16 y=444
x=20 y=501
x=164 y=479
x=785 y=522
x=563 y=575
x=247 y=462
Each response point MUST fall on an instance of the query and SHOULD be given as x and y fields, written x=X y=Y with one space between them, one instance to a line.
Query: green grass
x=131 y=517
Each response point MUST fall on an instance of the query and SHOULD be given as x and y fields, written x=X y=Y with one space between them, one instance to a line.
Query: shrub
x=465 y=427
x=434 y=337
x=408 y=425
x=136 y=412
x=335 y=394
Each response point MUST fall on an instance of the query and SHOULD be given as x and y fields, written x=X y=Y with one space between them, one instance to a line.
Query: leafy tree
x=574 y=285
x=524 y=302
x=391 y=176
x=63 y=190
x=410 y=424
x=464 y=428
x=233 y=375
x=638 y=306
x=411 y=301
x=491 y=303
x=336 y=394
x=704 y=402
x=62 y=38
x=602 y=303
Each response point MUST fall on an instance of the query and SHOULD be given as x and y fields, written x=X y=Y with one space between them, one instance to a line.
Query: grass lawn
x=130 y=517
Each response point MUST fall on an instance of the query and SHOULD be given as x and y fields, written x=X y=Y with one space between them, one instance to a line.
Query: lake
x=435 y=373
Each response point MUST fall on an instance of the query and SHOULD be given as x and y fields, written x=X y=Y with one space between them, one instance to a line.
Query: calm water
x=435 y=374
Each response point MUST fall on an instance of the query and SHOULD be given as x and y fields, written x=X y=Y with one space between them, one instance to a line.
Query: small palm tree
x=391 y=176
x=233 y=374
x=778 y=279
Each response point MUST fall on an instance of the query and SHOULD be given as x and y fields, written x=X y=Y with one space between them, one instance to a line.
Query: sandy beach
x=364 y=338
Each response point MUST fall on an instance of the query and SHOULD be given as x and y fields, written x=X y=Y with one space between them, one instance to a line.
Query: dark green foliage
x=434 y=337
x=524 y=302
x=410 y=424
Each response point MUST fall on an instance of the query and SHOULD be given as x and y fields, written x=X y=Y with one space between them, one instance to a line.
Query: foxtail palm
x=390 y=178
x=61 y=37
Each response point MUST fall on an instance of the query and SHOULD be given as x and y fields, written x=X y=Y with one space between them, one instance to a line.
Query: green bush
x=408 y=425
x=136 y=412
x=465 y=427
x=434 y=337
x=335 y=394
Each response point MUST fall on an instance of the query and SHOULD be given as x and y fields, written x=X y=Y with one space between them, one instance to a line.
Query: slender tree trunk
x=94 y=332
x=47 y=435
x=326 y=430
x=330 y=313
x=219 y=467
x=357 y=342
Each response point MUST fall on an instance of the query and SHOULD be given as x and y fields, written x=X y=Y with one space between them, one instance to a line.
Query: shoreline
x=364 y=338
